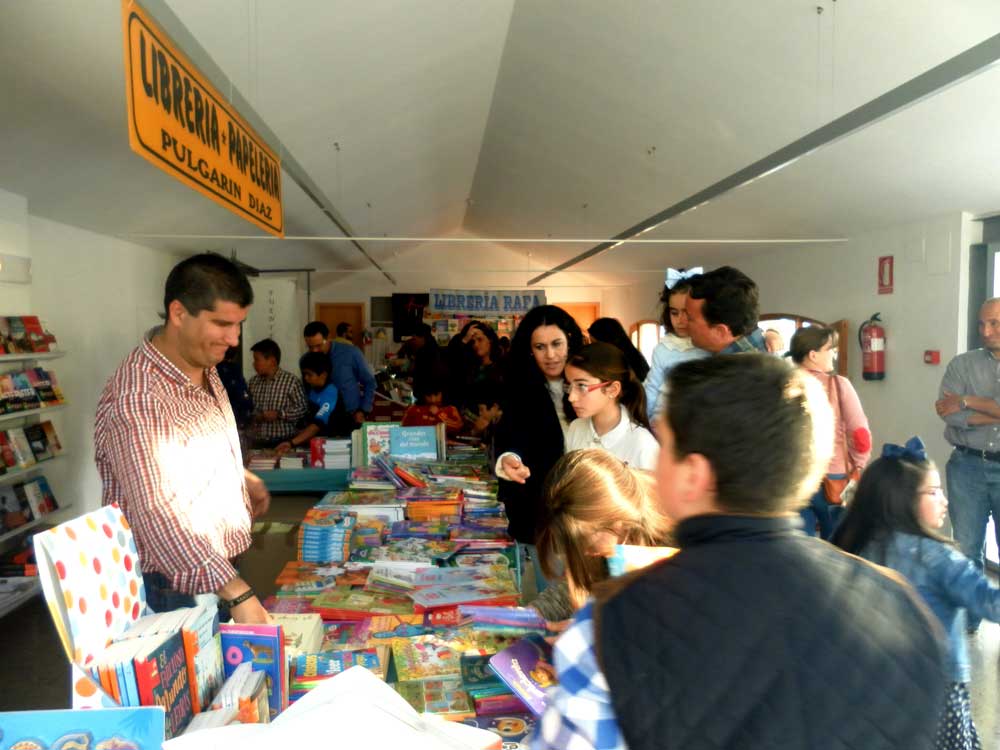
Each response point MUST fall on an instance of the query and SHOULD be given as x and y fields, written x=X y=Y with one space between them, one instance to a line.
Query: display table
x=305 y=480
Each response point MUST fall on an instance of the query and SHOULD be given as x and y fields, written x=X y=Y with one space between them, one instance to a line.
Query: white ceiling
x=517 y=118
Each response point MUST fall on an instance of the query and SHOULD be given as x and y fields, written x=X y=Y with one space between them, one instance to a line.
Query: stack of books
x=431 y=503
x=330 y=453
x=372 y=503
x=293 y=460
x=325 y=535
x=35 y=388
x=262 y=460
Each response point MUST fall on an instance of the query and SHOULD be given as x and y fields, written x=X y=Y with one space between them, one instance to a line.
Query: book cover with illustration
x=264 y=647
x=35 y=334
x=55 y=446
x=203 y=653
x=14 y=509
x=42 y=385
x=444 y=697
x=527 y=669
x=7 y=451
x=350 y=604
x=382 y=629
x=425 y=657
x=8 y=402
x=18 y=336
x=24 y=392
x=38 y=441
x=161 y=675
x=23 y=455
x=63 y=729
x=514 y=729
x=376 y=439
x=413 y=443
x=38 y=495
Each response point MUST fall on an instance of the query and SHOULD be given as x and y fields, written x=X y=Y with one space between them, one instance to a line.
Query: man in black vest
x=753 y=635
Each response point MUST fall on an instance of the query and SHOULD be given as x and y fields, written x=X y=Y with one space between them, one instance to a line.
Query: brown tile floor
x=34 y=674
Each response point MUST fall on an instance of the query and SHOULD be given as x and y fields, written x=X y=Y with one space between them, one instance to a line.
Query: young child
x=610 y=405
x=430 y=409
x=673 y=348
x=592 y=501
x=322 y=396
x=894 y=519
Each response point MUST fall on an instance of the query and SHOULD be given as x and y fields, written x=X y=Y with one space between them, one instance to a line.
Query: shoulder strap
x=848 y=461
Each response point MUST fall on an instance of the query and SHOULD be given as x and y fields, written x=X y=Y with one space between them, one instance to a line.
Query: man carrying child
x=753 y=635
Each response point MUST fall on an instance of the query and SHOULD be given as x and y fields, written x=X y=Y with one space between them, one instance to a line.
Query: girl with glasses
x=610 y=406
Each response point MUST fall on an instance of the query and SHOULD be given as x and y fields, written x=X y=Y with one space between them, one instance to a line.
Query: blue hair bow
x=914 y=450
x=681 y=274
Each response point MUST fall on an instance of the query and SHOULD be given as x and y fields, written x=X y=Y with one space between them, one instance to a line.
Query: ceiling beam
x=191 y=47
x=960 y=67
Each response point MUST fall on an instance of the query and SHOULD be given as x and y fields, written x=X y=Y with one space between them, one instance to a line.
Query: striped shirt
x=168 y=453
x=283 y=393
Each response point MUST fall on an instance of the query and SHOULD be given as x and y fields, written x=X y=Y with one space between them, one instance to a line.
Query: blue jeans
x=822 y=512
x=160 y=597
x=973 y=494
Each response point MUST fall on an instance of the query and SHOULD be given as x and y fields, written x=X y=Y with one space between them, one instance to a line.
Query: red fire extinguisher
x=871 y=337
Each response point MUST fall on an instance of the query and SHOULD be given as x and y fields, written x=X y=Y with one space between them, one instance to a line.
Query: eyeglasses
x=582 y=389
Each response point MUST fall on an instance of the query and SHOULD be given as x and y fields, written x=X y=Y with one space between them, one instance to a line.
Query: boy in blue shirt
x=322 y=397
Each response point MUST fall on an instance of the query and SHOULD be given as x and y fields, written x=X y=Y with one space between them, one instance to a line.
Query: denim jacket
x=947 y=581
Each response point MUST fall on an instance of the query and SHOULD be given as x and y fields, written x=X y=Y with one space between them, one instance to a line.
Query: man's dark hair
x=731 y=298
x=202 y=280
x=316 y=362
x=317 y=326
x=342 y=327
x=764 y=426
x=268 y=348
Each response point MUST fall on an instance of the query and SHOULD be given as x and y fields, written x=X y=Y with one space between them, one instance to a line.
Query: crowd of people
x=752 y=635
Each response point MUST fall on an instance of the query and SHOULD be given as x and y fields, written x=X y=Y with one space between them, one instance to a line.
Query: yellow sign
x=180 y=122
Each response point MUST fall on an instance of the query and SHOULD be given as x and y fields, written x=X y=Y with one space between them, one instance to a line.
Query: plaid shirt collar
x=751 y=342
x=159 y=361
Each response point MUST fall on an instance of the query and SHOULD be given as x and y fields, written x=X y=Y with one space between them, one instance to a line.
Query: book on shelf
x=7 y=457
x=38 y=495
x=24 y=392
x=37 y=338
x=17 y=336
x=375 y=440
x=23 y=455
x=14 y=509
x=41 y=382
x=38 y=441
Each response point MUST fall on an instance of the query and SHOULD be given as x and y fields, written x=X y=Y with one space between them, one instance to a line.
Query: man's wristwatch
x=963 y=403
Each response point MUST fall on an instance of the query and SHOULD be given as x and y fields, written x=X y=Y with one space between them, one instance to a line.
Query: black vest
x=756 y=636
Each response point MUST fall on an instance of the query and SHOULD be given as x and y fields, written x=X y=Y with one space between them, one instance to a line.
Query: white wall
x=275 y=314
x=15 y=299
x=98 y=295
x=925 y=311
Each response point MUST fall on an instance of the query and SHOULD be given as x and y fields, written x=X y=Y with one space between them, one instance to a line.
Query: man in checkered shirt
x=167 y=448
x=279 y=401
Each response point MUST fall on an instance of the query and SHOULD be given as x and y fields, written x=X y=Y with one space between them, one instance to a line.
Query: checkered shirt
x=168 y=453
x=578 y=714
x=283 y=393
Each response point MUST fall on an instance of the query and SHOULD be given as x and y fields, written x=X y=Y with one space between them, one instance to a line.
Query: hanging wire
x=833 y=62
x=819 y=57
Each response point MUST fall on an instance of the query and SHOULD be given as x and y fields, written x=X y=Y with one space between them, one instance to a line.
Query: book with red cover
x=35 y=334
x=162 y=677
x=42 y=384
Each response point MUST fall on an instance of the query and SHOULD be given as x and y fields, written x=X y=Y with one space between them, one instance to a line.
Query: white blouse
x=632 y=443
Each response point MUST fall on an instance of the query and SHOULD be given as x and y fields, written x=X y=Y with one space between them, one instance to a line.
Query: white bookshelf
x=30 y=356
x=15 y=475
x=14 y=598
x=31 y=412
x=32 y=524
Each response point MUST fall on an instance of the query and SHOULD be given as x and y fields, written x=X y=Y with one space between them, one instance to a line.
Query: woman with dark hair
x=674 y=348
x=481 y=380
x=536 y=414
x=812 y=348
x=610 y=331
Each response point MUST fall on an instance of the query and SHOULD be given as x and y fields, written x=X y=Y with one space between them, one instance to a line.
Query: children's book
x=478 y=678
x=303 y=632
x=340 y=636
x=425 y=657
x=264 y=647
x=8 y=401
x=63 y=729
x=376 y=439
x=513 y=728
x=527 y=669
x=383 y=629
x=629 y=557
x=55 y=446
x=445 y=698
x=245 y=691
x=202 y=652
x=350 y=604
x=162 y=677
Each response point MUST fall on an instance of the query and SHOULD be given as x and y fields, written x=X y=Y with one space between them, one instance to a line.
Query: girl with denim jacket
x=893 y=521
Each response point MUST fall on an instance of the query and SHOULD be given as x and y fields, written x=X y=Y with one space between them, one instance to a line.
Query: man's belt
x=987 y=455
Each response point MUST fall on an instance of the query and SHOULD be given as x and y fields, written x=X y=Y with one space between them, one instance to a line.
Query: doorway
x=335 y=313
x=584 y=313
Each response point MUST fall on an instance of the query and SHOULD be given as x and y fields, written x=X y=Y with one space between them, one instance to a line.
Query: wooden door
x=335 y=313
x=584 y=313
